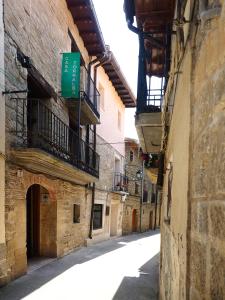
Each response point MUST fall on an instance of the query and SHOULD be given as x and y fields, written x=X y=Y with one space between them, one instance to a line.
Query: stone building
x=141 y=194
x=182 y=43
x=3 y=266
x=110 y=190
x=52 y=159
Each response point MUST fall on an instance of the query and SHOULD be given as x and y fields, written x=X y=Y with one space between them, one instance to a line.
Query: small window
x=97 y=219
x=119 y=120
x=107 y=211
x=136 y=188
x=145 y=196
x=76 y=213
x=102 y=96
x=131 y=155
x=153 y=198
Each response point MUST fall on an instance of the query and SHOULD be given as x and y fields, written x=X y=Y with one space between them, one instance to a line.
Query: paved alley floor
x=124 y=268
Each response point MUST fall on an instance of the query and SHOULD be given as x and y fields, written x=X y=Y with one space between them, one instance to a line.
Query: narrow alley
x=120 y=268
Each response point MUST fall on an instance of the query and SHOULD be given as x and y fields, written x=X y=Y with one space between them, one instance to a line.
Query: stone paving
x=125 y=268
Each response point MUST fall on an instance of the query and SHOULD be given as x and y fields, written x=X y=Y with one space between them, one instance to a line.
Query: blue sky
x=124 y=45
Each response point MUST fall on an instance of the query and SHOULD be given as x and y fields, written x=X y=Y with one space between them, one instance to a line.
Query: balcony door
x=36 y=122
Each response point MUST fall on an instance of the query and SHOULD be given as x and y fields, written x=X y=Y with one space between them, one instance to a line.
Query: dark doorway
x=33 y=221
x=151 y=220
x=134 y=220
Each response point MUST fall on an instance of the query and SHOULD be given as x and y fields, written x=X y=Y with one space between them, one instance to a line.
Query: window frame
x=76 y=216
x=100 y=211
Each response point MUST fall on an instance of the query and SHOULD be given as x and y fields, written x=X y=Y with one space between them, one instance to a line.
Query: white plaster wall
x=108 y=129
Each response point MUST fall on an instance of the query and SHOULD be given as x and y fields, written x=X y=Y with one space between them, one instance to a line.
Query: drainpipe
x=205 y=13
x=92 y=210
x=142 y=194
x=156 y=203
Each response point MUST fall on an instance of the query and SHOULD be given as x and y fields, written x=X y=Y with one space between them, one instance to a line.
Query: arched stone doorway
x=40 y=223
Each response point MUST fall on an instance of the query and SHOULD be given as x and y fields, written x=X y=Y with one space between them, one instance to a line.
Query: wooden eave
x=153 y=17
x=119 y=82
x=84 y=17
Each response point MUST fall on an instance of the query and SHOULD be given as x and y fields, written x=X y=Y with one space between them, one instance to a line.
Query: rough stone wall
x=206 y=240
x=192 y=243
x=131 y=203
x=132 y=167
x=107 y=164
x=62 y=195
x=3 y=264
x=174 y=223
x=40 y=30
x=116 y=201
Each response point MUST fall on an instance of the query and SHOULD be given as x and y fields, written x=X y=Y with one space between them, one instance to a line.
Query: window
x=136 y=188
x=119 y=120
x=107 y=211
x=145 y=196
x=169 y=196
x=102 y=96
x=76 y=213
x=153 y=198
x=131 y=155
x=97 y=219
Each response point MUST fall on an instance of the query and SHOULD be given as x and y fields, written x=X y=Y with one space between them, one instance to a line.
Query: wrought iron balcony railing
x=88 y=91
x=120 y=182
x=38 y=127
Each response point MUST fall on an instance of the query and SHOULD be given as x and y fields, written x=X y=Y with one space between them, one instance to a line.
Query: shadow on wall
x=145 y=286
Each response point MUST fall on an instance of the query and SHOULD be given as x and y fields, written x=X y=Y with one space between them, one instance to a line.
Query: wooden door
x=151 y=220
x=33 y=221
x=134 y=220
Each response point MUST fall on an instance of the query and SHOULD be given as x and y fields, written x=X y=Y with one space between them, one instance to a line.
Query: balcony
x=89 y=100
x=148 y=121
x=120 y=183
x=45 y=144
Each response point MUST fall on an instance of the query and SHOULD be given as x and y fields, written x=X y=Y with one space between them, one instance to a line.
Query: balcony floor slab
x=39 y=161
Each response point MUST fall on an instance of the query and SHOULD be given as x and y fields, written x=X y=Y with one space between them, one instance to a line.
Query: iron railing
x=120 y=182
x=38 y=127
x=88 y=91
x=153 y=102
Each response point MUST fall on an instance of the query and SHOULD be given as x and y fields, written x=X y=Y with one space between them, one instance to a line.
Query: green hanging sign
x=70 y=80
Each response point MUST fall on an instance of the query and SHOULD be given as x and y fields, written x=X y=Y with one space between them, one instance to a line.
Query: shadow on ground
x=143 y=287
x=28 y=283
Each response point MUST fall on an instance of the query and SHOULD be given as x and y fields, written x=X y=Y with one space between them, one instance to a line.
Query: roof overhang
x=85 y=18
x=154 y=18
x=119 y=82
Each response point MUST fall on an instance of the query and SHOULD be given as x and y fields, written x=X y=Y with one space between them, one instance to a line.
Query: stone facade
x=105 y=195
x=39 y=30
x=3 y=264
x=192 y=257
x=132 y=207
x=58 y=234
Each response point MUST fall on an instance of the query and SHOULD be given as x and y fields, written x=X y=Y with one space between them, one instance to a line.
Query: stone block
x=199 y=217
x=217 y=216
x=217 y=275
x=198 y=267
